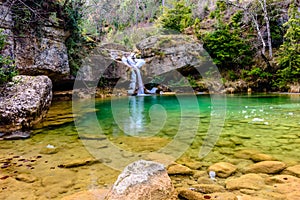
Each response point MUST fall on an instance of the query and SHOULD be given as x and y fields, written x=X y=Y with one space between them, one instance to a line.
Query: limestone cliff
x=35 y=54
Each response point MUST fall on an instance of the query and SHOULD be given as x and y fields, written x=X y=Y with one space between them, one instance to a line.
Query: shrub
x=177 y=18
x=7 y=70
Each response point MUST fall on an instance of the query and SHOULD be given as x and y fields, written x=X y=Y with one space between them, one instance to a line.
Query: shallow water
x=186 y=128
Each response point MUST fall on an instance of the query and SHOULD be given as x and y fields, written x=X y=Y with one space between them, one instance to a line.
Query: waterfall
x=140 y=82
x=135 y=64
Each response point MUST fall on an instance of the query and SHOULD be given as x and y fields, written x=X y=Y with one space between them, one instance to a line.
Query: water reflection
x=136 y=120
x=141 y=116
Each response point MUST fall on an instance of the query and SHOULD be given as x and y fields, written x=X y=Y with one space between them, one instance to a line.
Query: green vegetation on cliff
x=289 y=52
x=7 y=69
x=31 y=15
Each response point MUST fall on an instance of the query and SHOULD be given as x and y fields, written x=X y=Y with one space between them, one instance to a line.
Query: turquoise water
x=197 y=126
x=200 y=129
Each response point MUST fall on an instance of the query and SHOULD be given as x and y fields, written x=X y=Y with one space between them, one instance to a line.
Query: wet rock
x=261 y=157
x=236 y=140
x=281 y=179
x=208 y=188
x=59 y=179
x=189 y=194
x=266 y=194
x=16 y=135
x=87 y=195
x=290 y=189
x=26 y=178
x=79 y=163
x=142 y=180
x=223 y=169
x=248 y=197
x=193 y=165
x=245 y=154
x=221 y=196
x=224 y=143
x=267 y=167
x=24 y=102
x=199 y=174
x=49 y=149
x=293 y=170
x=205 y=180
x=248 y=181
x=176 y=169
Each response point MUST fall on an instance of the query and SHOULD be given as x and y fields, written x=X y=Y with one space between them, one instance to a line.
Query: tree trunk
x=246 y=10
x=259 y=33
x=266 y=17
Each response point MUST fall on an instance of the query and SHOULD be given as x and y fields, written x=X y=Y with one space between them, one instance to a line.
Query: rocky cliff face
x=166 y=53
x=26 y=100
x=46 y=54
x=163 y=54
x=43 y=54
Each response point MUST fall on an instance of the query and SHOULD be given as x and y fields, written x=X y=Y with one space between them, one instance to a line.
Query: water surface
x=163 y=128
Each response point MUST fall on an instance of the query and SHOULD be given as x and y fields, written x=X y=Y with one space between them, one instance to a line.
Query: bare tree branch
x=255 y=21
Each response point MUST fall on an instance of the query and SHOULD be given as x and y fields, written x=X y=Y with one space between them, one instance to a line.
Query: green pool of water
x=187 y=128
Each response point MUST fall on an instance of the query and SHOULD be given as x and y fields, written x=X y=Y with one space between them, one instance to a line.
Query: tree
x=289 y=52
x=248 y=11
x=225 y=44
x=177 y=18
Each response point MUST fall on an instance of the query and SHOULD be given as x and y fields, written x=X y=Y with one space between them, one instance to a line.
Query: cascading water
x=140 y=82
x=135 y=64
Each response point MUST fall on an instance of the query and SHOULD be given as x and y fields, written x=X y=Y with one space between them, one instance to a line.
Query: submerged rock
x=223 y=169
x=248 y=181
x=189 y=194
x=268 y=167
x=24 y=102
x=176 y=169
x=15 y=135
x=96 y=194
x=293 y=170
x=142 y=180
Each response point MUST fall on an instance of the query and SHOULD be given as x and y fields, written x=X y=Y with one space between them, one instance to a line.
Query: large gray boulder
x=166 y=53
x=24 y=102
x=142 y=180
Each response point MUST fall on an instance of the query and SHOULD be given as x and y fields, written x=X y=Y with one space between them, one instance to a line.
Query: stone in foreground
x=24 y=102
x=142 y=180
x=223 y=169
x=267 y=167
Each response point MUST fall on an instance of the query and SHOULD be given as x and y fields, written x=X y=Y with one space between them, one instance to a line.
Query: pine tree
x=289 y=52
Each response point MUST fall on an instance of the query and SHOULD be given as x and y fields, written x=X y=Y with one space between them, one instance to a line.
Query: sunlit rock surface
x=46 y=55
x=166 y=53
x=24 y=102
x=142 y=180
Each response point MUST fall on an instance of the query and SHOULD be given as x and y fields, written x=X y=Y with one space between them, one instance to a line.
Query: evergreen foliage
x=226 y=45
x=177 y=18
x=77 y=43
x=289 y=52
